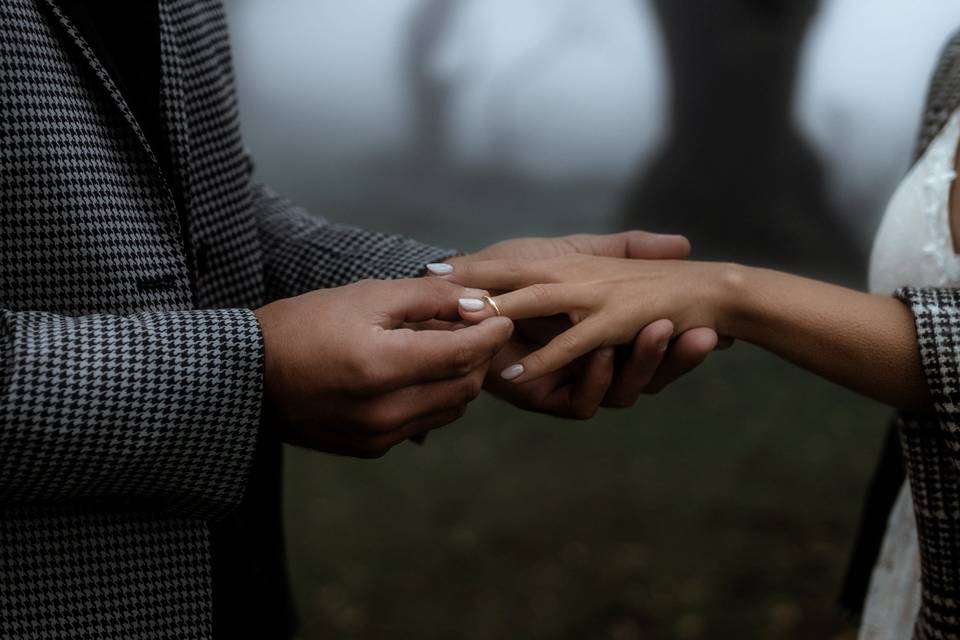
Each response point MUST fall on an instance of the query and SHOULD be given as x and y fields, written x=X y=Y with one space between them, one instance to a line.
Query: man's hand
x=609 y=377
x=605 y=378
x=629 y=244
x=348 y=377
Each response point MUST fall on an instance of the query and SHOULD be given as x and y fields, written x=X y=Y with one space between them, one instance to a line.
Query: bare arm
x=864 y=342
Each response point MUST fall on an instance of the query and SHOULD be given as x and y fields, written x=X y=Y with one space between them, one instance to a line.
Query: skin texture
x=864 y=342
x=652 y=358
x=358 y=369
x=347 y=374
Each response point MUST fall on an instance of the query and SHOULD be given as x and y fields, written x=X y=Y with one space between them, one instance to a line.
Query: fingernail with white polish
x=440 y=268
x=472 y=304
x=512 y=372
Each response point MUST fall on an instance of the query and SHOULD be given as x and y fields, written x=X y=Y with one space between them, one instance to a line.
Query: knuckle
x=464 y=359
x=382 y=418
x=513 y=267
x=573 y=243
x=573 y=259
x=367 y=374
x=535 y=362
x=637 y=238
x=438 y=286
x=367 y=285
x=567 y=342
x=469 y=389
x=541 y=293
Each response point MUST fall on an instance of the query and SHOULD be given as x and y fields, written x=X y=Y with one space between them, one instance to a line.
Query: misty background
x=769 y=132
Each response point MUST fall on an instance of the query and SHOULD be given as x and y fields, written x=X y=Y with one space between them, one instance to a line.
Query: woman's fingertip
x=512 y=372
x=440 y=268
x=472 y=304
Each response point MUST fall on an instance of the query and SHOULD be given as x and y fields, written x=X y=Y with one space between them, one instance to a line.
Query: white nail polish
x=472 y=304
x=512 y=372
x=440 y=268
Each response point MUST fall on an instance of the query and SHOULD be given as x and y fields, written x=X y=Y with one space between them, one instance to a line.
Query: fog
x=861 y=90
x=563 y=89
x=553 y=109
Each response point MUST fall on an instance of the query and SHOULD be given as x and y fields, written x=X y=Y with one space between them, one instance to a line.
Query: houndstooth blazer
x=130 y=359
x=931 y=444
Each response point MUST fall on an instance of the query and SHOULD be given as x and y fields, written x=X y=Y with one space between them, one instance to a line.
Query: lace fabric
x=914 y=245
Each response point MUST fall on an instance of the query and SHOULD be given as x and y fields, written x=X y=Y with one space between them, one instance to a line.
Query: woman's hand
x=647 y=365
x=607 y=300
x=864 y=342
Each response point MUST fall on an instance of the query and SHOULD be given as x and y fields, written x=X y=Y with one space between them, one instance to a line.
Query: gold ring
x=493 y=304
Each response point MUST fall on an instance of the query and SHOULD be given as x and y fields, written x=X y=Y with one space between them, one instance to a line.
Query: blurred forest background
x=769 y=131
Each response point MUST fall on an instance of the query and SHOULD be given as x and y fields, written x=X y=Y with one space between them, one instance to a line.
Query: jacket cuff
x=303 y=252
x=936 y=313
x=162 y=407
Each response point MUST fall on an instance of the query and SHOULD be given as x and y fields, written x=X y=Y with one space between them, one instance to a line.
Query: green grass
x=723 y=508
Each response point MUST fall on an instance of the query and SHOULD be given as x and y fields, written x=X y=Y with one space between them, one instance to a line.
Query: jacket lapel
x=174 y=124
x=944 y=95
x=100 y=71
x=172 y=101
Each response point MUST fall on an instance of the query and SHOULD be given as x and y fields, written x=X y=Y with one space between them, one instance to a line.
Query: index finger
x=535 y=301
x=413 y=357
x=418 y=300
x=501 y=274
x=576 y=341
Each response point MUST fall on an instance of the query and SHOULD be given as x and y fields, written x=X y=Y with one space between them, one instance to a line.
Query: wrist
x=267 y=330
x=730 y=288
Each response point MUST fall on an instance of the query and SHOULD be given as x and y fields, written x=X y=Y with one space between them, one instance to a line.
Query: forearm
x=864 y=342
x=302 y=252
x=158 y=406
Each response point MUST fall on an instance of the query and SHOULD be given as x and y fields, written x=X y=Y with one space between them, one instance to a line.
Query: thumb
x=631 y=244
x=655 y=246
x=417 y=300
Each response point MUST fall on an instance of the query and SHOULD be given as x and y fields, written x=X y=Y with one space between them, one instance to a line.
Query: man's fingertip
x=710 y=341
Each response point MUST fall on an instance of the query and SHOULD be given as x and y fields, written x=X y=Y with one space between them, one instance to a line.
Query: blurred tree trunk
x=735 y=175
x=430 y=95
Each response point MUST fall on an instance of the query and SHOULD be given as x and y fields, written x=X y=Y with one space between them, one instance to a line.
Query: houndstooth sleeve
x=937 y=316
x=303 y=252
x=162 y=408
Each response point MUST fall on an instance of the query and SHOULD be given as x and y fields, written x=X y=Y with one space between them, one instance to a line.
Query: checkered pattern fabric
x=932 y=451
x=931 y=444
x=130 y=362
x=943 y=96
x=302 y=255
